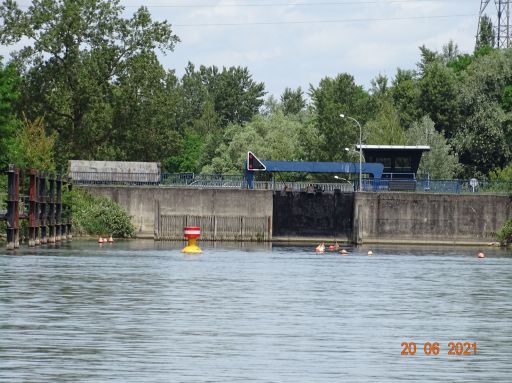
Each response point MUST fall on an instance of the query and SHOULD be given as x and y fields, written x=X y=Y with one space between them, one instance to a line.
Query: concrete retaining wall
x=429 y=218
x=222 y=213
x=256 y=214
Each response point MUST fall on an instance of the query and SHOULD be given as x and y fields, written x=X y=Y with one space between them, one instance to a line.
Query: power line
x=323 y=21
x=292 y=4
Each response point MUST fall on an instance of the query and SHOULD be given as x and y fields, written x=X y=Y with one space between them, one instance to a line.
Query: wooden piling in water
x=51 y=209
x=32 y=213
x=11 y=207
x=43 y=208
x=49 y=219
x=69 y=216
x=58 y=208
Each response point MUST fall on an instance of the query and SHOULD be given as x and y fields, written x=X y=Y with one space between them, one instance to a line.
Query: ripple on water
x=143 y=312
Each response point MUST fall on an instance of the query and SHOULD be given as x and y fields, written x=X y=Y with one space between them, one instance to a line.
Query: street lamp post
x=360 y=149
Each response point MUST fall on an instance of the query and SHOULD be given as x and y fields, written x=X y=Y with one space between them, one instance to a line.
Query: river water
x=140 y=311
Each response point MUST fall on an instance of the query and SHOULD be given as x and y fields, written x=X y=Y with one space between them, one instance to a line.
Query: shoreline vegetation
x=99 y=216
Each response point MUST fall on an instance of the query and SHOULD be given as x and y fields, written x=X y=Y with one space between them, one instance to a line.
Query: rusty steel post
x=51 y=210
x=64 y=212
x=69 y=218
x=43 y=208
x=32 y=212
x=58 y=208
x=37 y=211
x=17 y=209
x=11 y=206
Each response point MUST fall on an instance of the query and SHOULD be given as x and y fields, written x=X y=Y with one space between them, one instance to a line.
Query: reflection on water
x=143 y=312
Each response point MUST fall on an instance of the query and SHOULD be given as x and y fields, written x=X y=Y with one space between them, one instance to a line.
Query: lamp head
x=342 y=115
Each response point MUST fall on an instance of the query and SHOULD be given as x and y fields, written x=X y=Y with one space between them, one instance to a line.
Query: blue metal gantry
x=253 y=164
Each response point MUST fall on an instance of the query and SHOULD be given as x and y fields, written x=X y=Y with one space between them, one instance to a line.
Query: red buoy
x=191 y=233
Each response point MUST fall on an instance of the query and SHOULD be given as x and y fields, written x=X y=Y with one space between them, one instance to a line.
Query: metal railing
x=435 y=186
x=192 y=180
x=114 y=178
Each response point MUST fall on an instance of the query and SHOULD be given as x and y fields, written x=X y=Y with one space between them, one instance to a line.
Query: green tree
x=385 y=128
x=188 y=157
x=275 y=136
x=78 y=50
x=146 y=102
x=405 y=92
x=486 y=36
x=440 y=162
x=439 y=97
x=32 y=147
x=504 y=174
x=293 y=101
x=332 y=97
x=9 y=93
x=235 y=96
x=482 y=142
x=506 y=101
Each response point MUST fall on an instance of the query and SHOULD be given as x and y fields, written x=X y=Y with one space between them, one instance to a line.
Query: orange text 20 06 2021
x=436 y=348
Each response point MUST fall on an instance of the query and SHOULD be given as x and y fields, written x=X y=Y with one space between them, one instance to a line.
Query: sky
x=292 y=43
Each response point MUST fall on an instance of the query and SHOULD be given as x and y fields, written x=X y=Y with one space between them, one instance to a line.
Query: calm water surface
x=144 y=312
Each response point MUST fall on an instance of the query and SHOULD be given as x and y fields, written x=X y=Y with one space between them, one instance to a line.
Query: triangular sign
x=253 y=163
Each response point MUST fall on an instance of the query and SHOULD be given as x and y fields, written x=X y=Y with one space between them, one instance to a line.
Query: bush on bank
x=98 y=216
x=505 y=234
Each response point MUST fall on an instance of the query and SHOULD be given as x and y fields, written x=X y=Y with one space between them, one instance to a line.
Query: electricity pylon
x=501 y=21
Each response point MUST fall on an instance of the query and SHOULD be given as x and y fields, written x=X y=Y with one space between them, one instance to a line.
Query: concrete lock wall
x=237 y=214
x=162 y=213
x=429 y=218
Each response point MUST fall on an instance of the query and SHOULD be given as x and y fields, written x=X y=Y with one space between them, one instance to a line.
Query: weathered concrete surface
x=147 y=206
x=113 y=166
x=429 y=218
x=259 y=215
x=82 y=171
x=313 y=215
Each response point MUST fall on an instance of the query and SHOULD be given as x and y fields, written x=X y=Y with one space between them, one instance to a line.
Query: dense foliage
x=99 y=216
x=95 y=78
x=505 y=234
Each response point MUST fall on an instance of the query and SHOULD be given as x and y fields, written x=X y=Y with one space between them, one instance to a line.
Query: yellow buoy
x=191 y=234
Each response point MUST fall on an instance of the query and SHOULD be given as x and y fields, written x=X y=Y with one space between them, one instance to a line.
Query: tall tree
x=385 y=128
x=483 y=142
x=486 y=36
x=9 y=93
x=293 y=101
x=146 y=103
x=32 y=147
x=332 y=97
x=78 y=48
x=440 y=162
x=405 y=92
x=439 y=96
x=235 y=96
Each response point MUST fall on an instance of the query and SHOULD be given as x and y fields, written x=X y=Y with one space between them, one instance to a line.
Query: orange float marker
x=192 y=233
